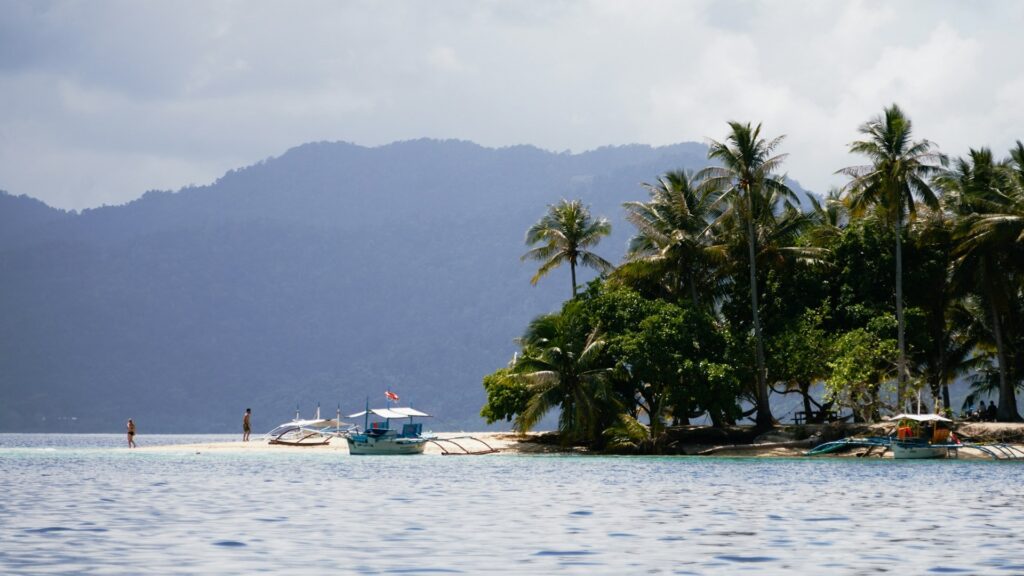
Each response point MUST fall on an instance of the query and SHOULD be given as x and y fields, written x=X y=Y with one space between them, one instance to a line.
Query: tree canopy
x=731 y=291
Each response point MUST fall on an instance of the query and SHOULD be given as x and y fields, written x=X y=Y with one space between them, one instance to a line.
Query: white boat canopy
x=391 y=413
x=322 y=427
x=920 y=417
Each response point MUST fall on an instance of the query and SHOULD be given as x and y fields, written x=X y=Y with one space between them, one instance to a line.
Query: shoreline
x=503 y=442
x=511 y=443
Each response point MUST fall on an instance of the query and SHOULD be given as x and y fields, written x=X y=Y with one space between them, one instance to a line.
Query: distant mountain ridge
x=329 y=274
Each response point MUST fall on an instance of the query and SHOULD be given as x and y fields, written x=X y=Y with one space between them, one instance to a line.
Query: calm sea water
x=70 y=504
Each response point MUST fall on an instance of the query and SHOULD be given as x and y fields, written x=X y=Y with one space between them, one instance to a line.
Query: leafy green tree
x=565 y=234
x=862 y=360
x=746 y=181
x=507 y=395
x=668 y=355
x=799 y=356
x=898 y=174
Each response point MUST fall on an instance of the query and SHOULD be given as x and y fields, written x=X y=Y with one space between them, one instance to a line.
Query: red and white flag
x=391 y=396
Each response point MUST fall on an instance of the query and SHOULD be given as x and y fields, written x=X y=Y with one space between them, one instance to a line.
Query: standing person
x=246 y=424
x=131 y=433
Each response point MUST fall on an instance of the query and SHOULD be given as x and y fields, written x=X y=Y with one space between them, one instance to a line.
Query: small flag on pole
x=391 y=396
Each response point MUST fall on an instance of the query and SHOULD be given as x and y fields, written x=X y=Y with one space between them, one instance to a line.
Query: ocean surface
x=85 y=505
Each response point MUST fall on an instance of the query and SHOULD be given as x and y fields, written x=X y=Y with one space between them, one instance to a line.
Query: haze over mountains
x=331 y=273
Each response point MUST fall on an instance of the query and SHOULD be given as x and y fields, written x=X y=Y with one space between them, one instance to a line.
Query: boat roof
x=391 y=413
x=921 y=417
x=315 y=425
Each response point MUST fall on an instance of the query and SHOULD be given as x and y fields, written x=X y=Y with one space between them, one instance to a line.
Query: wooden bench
x=801 y=417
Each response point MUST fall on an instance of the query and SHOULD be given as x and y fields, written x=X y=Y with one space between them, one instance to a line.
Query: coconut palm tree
x=565 y=234
x=829 y=217
x=745 y=180
x=561 y=365
x=989 y=253
x=672 y=233
x=897 y=177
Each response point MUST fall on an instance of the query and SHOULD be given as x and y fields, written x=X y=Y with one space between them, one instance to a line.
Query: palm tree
x=566 y=232
x=947 y=351
x=898 y=174
x=989 y=198
x=561 y=366
x=829 y=218
x=672 y=232
x=745 y=181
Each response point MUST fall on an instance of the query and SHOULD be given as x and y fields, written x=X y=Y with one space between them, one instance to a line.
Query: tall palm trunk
x=764 y=411
x=693 y=290
x=572 y=270
x=901 y=369
x=1007 y=399
x=940 y=378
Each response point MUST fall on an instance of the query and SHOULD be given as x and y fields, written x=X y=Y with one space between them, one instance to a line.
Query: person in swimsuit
x=131 y=433
x=246 y=424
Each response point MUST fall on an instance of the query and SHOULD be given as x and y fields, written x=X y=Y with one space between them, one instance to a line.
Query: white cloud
x=104 y=100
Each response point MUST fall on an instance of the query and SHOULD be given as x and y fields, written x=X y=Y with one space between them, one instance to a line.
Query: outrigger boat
x=380 y=438
x=305 y=433
x=923 y=436
x=918 y=436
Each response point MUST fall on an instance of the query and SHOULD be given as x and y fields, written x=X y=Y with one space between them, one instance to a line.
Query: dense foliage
x=885 y=291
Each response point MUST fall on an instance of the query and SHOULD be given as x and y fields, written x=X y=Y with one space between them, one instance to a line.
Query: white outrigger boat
x=380 y=438
x=316 y=431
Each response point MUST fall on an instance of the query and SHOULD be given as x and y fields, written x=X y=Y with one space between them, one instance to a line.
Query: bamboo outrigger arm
x=440 y=443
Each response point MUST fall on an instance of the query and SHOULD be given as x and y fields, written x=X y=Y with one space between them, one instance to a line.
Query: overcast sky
x=101 y=101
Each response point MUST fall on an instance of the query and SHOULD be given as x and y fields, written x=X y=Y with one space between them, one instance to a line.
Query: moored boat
x=922 y=436
x=315 y=431
x=380 y=438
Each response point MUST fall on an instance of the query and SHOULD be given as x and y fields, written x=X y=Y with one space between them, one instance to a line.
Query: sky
x=101 y=101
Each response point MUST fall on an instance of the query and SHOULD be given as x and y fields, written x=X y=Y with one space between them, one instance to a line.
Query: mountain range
x=326 y=275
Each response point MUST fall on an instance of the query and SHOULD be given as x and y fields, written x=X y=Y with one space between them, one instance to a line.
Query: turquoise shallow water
x=70 y=505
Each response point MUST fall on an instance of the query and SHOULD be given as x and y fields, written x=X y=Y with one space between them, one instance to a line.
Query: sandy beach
x=504 y=442
x=509 y=443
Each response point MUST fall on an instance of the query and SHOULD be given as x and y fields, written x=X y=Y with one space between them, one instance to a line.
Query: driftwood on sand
x=808 y=443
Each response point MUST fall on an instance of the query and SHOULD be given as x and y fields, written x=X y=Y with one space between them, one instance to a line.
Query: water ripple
x=745 y=559
x=85 y=509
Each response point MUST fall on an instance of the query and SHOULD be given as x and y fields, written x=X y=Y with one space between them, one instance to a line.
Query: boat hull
x=363 y=446
x=911 y=450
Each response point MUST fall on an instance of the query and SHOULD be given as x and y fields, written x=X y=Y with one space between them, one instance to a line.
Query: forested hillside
x=329 y=274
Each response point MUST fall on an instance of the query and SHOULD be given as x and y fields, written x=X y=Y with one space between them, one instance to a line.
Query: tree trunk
x=693 y=291
x=764 y=411
x=572 y=270
x=940 y=378
x=901 y=367
x=1007 y=399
